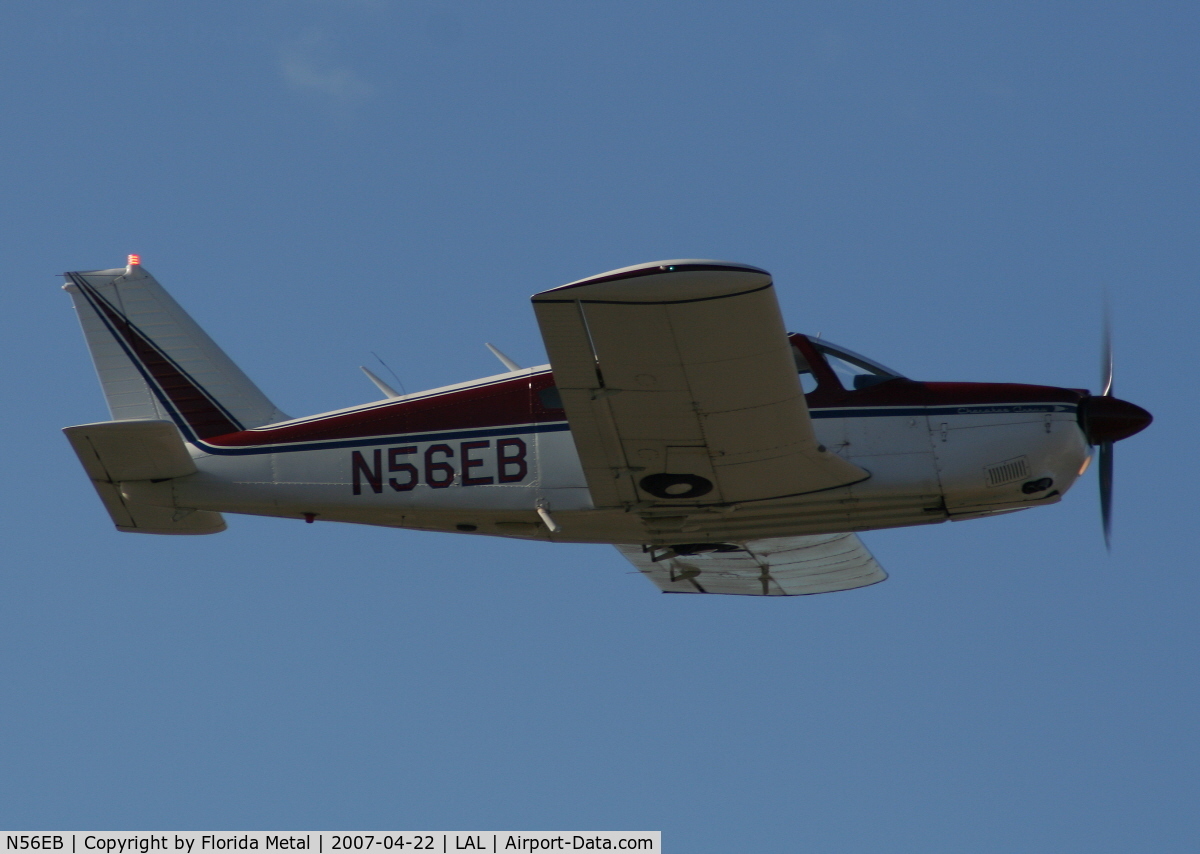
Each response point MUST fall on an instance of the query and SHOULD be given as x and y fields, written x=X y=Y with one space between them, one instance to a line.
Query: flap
x=680 y=387
x=783 y=566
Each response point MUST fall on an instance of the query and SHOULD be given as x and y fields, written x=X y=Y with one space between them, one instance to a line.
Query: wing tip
x=753 y=276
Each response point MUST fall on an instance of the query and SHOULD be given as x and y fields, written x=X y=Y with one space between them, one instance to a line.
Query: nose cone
x=1110 y=419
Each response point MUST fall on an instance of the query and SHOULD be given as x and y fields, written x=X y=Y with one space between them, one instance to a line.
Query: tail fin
x=155 y=363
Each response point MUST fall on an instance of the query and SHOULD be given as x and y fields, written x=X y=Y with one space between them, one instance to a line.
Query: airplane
x=677 y=420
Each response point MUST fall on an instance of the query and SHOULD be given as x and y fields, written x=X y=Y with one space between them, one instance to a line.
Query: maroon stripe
x=514 y=401
x=906 y=392
x=197 y=409
x=953 y=394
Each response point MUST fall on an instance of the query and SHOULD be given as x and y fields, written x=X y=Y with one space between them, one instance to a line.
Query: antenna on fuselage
x=388 y=368
x=504 y=360
x=379 y=384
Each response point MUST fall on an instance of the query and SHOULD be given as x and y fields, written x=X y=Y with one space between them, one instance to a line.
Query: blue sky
x=947 y=188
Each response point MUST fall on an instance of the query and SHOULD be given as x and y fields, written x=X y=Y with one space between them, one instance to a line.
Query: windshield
x=854 y=371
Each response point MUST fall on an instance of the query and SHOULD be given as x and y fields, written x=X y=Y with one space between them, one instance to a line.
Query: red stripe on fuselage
x=499 y=404
x=903 y=392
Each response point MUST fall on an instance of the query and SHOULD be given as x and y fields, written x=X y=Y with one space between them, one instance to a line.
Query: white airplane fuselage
x=435 y=461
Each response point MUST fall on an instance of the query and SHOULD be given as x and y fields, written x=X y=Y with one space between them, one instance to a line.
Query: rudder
x=156 y=363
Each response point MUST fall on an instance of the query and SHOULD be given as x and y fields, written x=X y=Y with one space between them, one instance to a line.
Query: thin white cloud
x=306 y=67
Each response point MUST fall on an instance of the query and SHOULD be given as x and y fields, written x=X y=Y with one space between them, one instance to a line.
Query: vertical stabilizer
x=155 y=363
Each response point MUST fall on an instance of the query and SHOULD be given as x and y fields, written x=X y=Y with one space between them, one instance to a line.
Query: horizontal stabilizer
x=116 y=452
x=113 y=451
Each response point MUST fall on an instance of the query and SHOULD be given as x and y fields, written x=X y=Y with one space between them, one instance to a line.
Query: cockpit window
x=854 y=371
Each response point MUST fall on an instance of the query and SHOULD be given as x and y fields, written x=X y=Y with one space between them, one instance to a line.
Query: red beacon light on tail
x=134 y=260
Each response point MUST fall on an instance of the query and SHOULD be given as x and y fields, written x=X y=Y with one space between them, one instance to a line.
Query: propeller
x=1106 y=447
x=1106 y=355
x=1106 y=482
x=1106 y=419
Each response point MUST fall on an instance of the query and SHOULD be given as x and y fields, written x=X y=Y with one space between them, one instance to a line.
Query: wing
x=784 y=566
x=680 y=387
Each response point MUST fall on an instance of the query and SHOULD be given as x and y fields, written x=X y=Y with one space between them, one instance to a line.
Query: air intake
x=1008 y=471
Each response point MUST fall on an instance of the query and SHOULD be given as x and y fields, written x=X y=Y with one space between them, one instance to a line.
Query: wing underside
x=783 y=566
x=681 y=388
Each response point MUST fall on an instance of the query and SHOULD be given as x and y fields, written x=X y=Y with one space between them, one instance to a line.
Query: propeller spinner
x=1106 y=419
